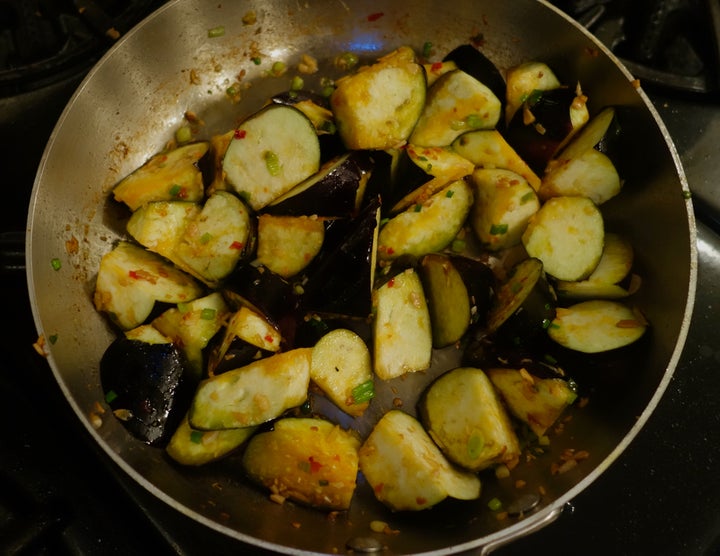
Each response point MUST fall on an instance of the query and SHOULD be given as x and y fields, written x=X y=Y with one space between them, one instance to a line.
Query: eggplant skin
x=147 y=387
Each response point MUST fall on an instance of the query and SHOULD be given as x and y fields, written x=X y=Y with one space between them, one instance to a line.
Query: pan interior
x=128 y=108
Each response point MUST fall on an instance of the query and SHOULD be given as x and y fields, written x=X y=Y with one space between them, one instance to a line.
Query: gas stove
x=59 y=494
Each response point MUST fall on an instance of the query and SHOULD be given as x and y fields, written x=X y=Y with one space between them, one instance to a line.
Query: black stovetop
x=662 y=496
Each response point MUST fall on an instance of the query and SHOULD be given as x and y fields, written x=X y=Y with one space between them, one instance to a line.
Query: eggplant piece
x=253 y=394
x=472 y=61
x=216 y=239
x=262 y=290
x=148 y=386
x=567 y=234
x=591 y=174
x=487 y=148
x=522 y=80
x=606 y=281
x=131 y=280
x=537 y=402
x=405 y=468
x=592 y=135
x=456 y=103
x=287 y=244
x=168 y=176
x=545 y=123
x=271 y=152
x=189 y=446
x=402 y=335
x=524 y=305
x=365 y=123
x=428 y=226
x=159 y=225
x=480 y=282
x=447 y=298
x=192 y=325
x=597 y=325
x=435 y=69
x=308 y=460
x=342 y=368
x=340 y=280
x=335 y=191
x=504 y=204
x=465 y=417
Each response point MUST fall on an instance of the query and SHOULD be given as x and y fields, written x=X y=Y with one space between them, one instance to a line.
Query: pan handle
x=508 y=537
x=12 y=252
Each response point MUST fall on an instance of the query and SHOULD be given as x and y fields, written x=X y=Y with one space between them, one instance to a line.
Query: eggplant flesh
x=147 y=387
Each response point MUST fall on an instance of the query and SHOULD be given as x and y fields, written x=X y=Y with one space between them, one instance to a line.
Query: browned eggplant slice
x=147 y=387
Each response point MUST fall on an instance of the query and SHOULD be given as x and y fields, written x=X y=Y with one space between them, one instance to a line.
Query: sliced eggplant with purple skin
x=545 y=123
x=406 y=469
x=524 y=305
x=252 y=394
x=270 y=153
x=456 y=103
x=447 y=298
x=147 y=386
x=537 y=402
x=131 y=280
x=472 y=61
x=340 y=281
x=522 y=80
x=335 y=191
x=481 y=285
x=428 y=226
x=262 y=290
x=567 y=234
x=467 y=420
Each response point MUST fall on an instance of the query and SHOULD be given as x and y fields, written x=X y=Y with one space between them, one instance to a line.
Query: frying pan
x=126 y=110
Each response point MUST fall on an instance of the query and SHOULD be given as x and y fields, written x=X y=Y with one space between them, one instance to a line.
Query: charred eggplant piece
x=335 y=191
x=340 y=280
x=522 y=80
x=147 y=386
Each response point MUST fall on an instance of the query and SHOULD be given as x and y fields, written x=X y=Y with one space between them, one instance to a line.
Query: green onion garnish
x=363 y=392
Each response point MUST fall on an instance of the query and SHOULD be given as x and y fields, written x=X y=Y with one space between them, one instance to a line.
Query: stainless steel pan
x=128 y=107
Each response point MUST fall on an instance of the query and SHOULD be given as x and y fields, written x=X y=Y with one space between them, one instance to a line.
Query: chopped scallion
x=208 y=313
x=498 y=229
x=215 y=32
x=494 y=504
x=56 y=264
x=196 y=437
x=363 y=392
x=272 y=162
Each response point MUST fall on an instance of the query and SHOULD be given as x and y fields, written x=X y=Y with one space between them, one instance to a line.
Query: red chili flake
x=269 y=339
x=240 y=134
x=237 y=245
x=390 y=250
x=314 y=465
x=375 y=16
x=391 y=282
x=421 y=501
x=437 y=66
x=183 y=193
x=379 y=487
